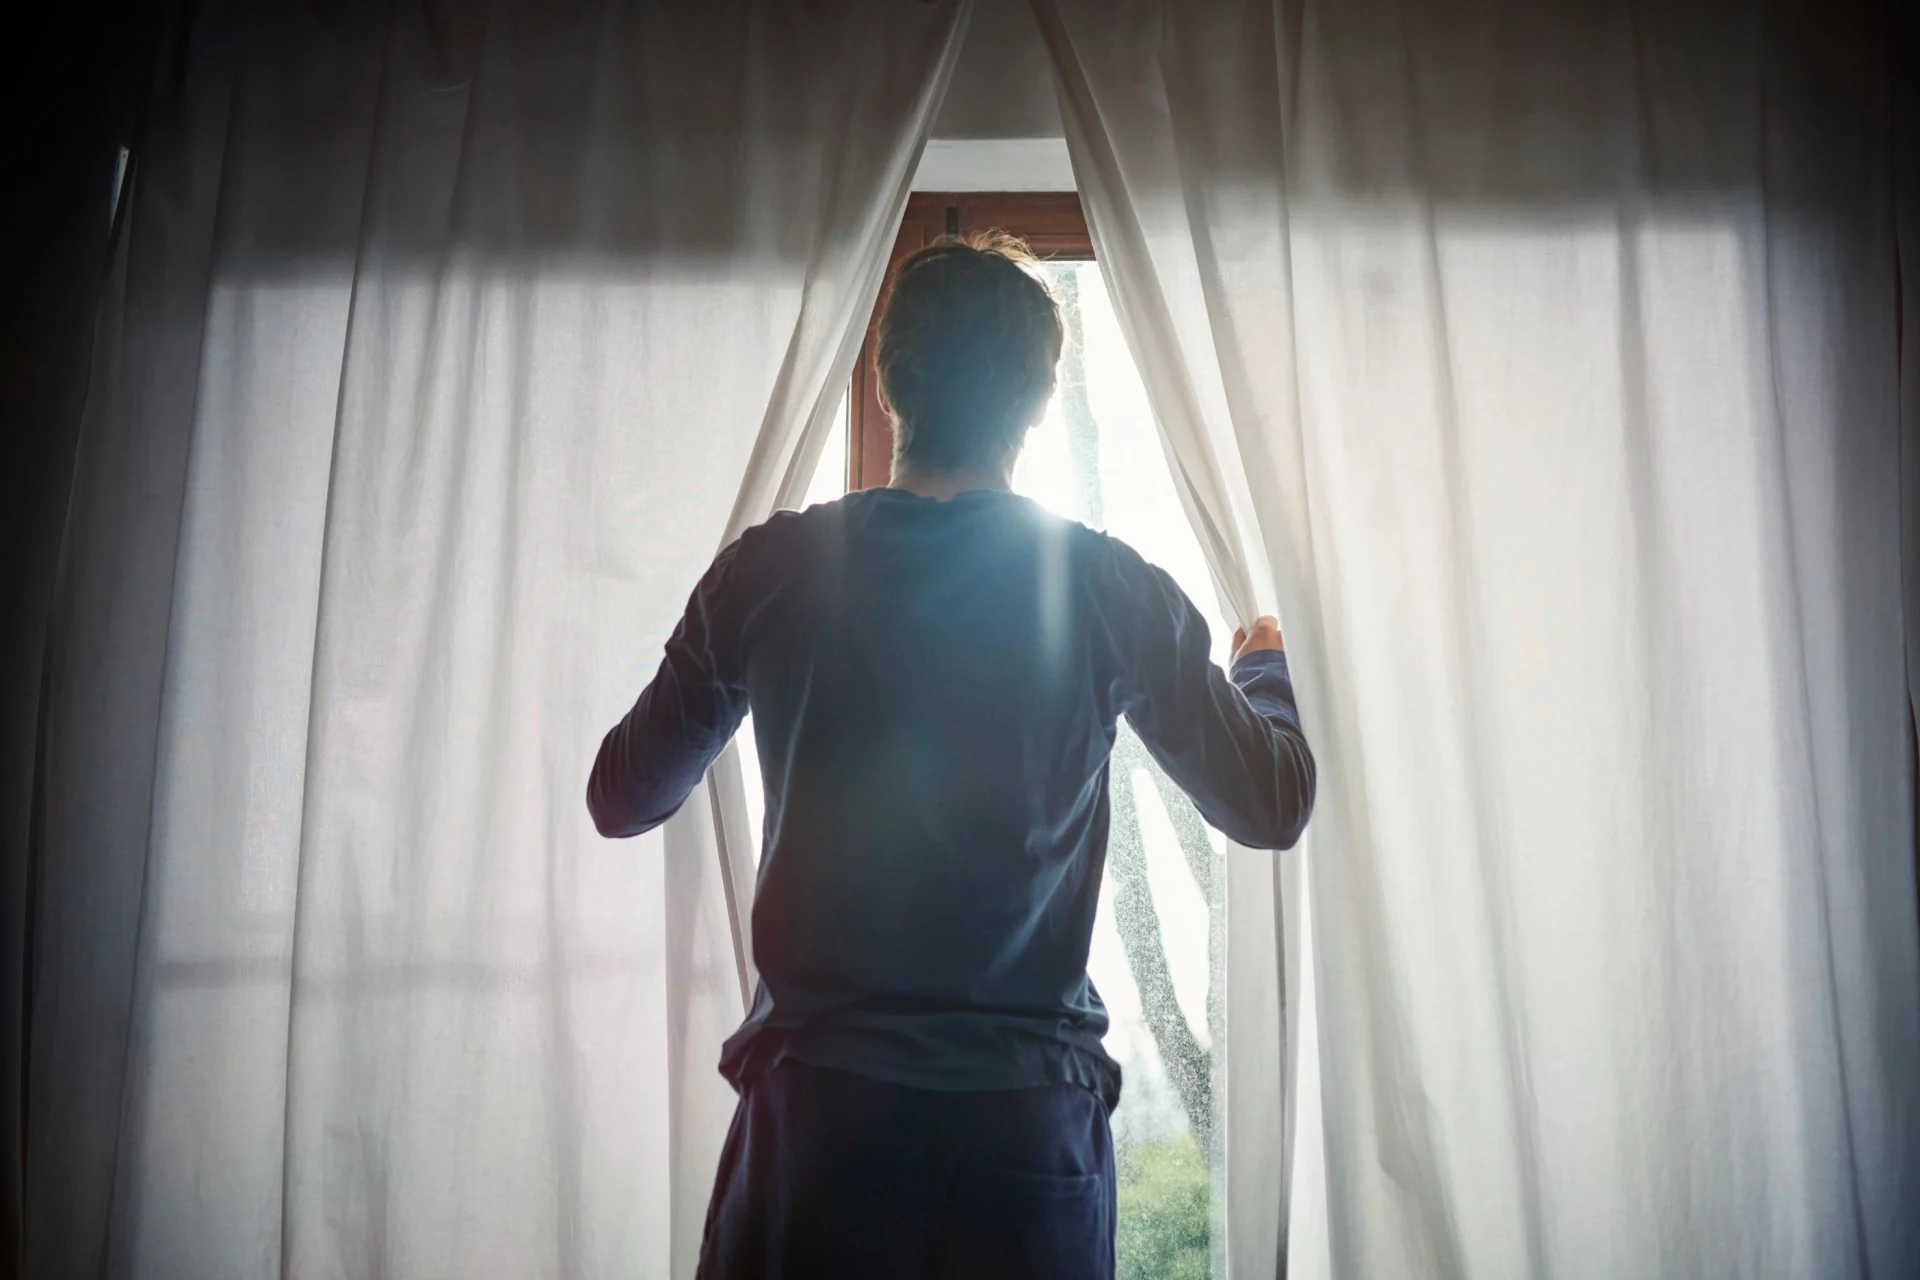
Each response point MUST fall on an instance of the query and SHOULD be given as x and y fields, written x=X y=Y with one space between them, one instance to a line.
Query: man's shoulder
x=1083 y=539
x=1101 y=551
x=788 y=540
x=787 y=531
x=781 y=529
x=1118 y=578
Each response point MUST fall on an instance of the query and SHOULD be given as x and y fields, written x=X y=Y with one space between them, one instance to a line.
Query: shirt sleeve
x=1235 y=744
x=651 y=761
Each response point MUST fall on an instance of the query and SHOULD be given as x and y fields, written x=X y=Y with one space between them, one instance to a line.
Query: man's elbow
x=612 y=826
x=1299 y=807
x=622 y=823
x=1290 y=806
x=609 y=821
x=1289 y=834
x=1279 y=833
x=615 y=815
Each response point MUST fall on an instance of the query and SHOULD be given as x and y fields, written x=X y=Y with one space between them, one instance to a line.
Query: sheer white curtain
x=445 y=346
x=1540 y=363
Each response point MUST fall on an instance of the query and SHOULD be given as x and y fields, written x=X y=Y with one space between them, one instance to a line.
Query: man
x=935 y=670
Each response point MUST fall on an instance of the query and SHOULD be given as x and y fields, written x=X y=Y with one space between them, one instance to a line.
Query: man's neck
x=945 y=484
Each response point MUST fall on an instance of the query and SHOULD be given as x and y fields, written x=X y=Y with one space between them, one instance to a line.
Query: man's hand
x=1266 y=635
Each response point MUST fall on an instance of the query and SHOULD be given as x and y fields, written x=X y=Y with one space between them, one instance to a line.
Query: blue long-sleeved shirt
x=935 y=687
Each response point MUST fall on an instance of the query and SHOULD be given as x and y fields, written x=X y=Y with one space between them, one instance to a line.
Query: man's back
x=935 y=686
x=935 y=670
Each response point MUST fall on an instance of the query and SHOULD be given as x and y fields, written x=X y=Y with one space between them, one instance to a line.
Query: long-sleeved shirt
x=935 y=687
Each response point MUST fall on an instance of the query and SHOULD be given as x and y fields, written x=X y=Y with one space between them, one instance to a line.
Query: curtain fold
x=1556 y=349
x=444 y=347
x=1139 y=165
x=1906 y=153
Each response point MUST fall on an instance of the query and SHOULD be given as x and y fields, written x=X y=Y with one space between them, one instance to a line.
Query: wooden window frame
x=1052 y=222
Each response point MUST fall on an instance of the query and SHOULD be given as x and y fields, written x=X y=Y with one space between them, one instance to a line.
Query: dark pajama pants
x=831 y=1174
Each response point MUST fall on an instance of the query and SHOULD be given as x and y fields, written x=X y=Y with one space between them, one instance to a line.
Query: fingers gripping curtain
x=1542 y=363
x=443 y=350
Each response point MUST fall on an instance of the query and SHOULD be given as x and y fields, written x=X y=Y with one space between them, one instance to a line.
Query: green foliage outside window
x=1163 y=1220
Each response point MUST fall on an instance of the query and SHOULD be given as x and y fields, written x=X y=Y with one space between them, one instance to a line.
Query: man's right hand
x=1265 y=635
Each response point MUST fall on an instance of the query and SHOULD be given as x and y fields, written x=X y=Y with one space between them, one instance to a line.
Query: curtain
x=443 y=347
x=1540 y=363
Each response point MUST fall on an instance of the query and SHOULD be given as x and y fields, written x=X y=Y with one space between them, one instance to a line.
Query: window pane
x=1159 y=943
x=830 y=474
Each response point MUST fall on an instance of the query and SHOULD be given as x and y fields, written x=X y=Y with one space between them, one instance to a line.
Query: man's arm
x=651 y=761
x=1234 y=745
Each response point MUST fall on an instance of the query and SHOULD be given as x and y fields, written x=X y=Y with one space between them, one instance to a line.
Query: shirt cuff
x=1258 y=662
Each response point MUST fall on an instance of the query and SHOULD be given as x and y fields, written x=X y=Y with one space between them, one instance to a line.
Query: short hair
x=968 y=343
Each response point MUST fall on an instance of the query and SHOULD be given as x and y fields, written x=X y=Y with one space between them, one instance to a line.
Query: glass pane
x=1159 y=943
x=830 y=473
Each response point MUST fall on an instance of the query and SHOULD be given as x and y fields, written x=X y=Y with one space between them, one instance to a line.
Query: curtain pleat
x=446 y=347
x=1540 y=365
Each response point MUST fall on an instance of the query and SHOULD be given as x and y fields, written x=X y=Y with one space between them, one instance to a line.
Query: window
x=1159 y=947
